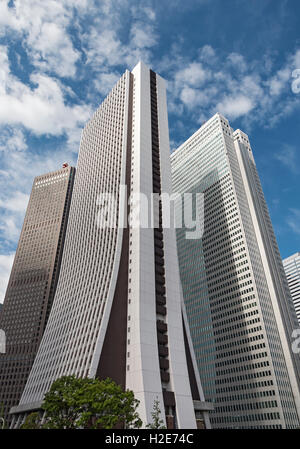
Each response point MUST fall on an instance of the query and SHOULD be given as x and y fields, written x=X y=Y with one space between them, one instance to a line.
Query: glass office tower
x=292 y=270
x=234 y=285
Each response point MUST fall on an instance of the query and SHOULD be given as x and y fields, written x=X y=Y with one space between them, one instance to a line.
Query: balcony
x=161 y=300
x=158 y=234
x=169 y=398
x=170 y=422
x=159 y=261
x=163 y=351
x=161 y=325
x=160 y=278
x=162 y=338
x=159 y=270
x=156 y=164
x=161 y=310
x=159 y=251
x=164 y=363
x=165 y=376
x=160 y=289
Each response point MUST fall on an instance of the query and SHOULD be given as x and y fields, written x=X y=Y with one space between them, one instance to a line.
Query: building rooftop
x=290 y=258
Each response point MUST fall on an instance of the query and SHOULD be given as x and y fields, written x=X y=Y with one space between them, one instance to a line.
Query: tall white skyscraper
x=291 y=266
x=234 y=285
x=118 y=309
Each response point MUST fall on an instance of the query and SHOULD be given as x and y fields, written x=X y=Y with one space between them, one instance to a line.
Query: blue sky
x=59 y=59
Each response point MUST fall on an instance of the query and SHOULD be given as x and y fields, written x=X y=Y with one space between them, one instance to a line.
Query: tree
x=32 y=421
x=73 y=403
x=157 y=422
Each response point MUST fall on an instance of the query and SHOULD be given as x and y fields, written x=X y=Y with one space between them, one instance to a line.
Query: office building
x=234 y=285
x=291 y=266
x=118 y=309
x=33 y=280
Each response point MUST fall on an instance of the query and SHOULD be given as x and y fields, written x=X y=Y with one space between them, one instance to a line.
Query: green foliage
x=32 y=421
x=73 y=403
x=157 y=422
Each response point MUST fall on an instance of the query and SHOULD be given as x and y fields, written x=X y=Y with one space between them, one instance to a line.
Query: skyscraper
x=33 y=280
x=234 y=285
x=118 y=309
x=292 y=270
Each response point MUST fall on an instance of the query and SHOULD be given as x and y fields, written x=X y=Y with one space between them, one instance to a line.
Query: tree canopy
x=73 y=403
x=32 y=421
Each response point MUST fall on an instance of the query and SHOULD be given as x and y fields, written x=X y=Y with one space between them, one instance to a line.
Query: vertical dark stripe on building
x=160 y=288
x=192 y=377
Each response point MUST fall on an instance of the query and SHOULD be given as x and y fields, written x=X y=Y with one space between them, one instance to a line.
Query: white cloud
x=149 y=13
x=296 y=60
x=12 y=140
x=44 y=29
x=142 y=35
x=105 y=50
x=238 y=61
x=197 y=98
x=231 y=85
x=6 y=261
x=12 y=206
x=102 y=47
x=235 y=106
x=52 y=50
x=293 y=220
x=17 y=203
x=288 y=157
x=105 y=82
x=121 y=33
x=10 y=228
x=207 y=54
x=280 y=81
x=41 y=108
x=7 y=18
x=189 y=96
x=193 y=75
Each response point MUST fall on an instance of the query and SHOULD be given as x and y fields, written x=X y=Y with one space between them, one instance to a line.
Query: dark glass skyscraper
x=33 y=280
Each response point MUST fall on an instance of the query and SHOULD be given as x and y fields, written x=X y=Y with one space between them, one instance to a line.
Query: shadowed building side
x=33 y=280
